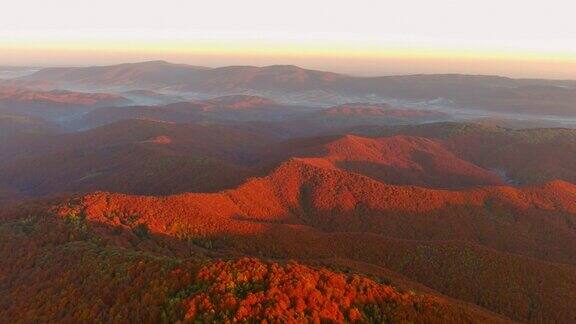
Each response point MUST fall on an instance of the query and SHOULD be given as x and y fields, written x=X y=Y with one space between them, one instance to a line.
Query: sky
x=364 y=37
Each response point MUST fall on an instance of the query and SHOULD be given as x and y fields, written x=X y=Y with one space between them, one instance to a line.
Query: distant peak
x=284 y=67
x=159 y=62
x=162 y=63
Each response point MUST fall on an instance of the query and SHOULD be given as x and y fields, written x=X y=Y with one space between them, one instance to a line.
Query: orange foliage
x=306 y=210
x=60 y=270
x=511 y=250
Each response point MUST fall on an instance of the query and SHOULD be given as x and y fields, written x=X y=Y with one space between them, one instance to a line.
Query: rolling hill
x=491 y=246
x=530 y=156
x=227 y=109
x=403 y=160
x=340 y=118
x=132 y=154
x=406 y=160
x=54 y=104
x=293 y=121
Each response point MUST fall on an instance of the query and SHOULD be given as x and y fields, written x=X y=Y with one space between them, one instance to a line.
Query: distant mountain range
x=294 y=84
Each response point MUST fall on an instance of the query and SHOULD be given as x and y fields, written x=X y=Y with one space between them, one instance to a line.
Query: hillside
x=473 y=245
x=531 y=156
x=133 y=156
x=227 y=109
x=293 y=121
x=120 y=283
x=309 y=192
x=407 y=160
x=338 y=119
x=55 y=104
x=151 y=157
x=22 y=125
x=472 y=92
x=402 y=160
x=170 y=158
x=299 y=293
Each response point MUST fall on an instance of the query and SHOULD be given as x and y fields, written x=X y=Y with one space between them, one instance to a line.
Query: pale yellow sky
x=368 y=37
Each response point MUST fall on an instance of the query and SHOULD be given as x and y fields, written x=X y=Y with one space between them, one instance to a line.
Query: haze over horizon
x=514 y=38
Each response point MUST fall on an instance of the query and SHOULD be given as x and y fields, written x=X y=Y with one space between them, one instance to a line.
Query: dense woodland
x=136 y=203
x=62 y=269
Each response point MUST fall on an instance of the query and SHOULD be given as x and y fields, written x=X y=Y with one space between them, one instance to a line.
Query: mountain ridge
x=483 y=93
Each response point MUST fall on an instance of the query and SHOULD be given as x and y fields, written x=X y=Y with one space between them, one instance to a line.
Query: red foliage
x=249 y=290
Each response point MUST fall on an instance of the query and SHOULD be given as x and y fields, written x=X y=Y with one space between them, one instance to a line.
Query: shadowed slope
x=394 y=160
x=227 y=109
x=407 y=160
x=23 y=126
x=131 y=156
x=338 y=119
x=531 y=156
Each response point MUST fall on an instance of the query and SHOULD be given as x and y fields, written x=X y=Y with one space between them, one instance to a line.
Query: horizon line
x=89 y=65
